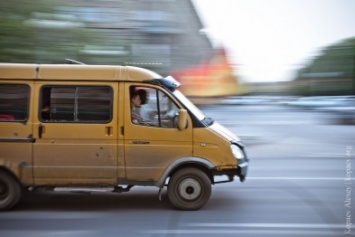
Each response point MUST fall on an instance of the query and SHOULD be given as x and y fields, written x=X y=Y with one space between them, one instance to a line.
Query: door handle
x=40 y=130
x=141 y=142
x=109 y=131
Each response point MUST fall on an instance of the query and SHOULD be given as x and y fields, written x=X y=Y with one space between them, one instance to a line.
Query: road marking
x=45 y=233
x=240 y=123
x=270 y=225
x=302 y=178
x=256 y=228
x=261 y=232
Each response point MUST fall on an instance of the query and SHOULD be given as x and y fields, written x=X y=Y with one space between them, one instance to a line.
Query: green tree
x=35 y=32
x=330 y=73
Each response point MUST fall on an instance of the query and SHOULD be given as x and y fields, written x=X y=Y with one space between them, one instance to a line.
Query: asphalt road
x=301 y=183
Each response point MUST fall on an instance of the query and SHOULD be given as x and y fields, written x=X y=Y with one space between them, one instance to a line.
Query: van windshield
x=193 y=109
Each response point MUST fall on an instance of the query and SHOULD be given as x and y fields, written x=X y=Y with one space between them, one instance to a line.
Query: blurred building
x=166 y=36
x=162 y=35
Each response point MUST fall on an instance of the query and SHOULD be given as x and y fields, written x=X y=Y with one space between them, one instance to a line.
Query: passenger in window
x=143 y=95
x=45 y=113
x=136 y=103
x=145 y=110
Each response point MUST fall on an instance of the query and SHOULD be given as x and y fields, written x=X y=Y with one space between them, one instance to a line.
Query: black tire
x=10 y=191
x=189 y=189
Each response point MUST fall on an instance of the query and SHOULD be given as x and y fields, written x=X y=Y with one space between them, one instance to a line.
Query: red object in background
x=212 y=78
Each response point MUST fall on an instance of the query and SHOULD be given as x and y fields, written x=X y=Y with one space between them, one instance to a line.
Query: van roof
x=75 y=72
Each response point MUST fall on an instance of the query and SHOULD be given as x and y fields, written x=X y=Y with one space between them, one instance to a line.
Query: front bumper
x=241 y=171
x=243 y=164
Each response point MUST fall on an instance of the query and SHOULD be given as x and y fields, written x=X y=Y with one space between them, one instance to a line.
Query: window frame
x=76 y=120
x=27 y=107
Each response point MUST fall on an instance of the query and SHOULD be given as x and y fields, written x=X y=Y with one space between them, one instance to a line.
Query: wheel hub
x=189 y=189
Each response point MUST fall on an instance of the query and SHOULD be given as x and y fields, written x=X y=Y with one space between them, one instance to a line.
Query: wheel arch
x=8 y=171
x=191 y=162
x=11 y=189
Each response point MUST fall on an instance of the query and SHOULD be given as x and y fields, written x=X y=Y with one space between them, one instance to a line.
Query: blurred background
x=245 y=47
x=278 y=73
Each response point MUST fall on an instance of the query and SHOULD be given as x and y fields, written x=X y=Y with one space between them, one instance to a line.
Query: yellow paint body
x=110 y=153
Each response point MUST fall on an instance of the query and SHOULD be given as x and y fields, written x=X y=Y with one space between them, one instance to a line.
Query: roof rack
x=72 y=61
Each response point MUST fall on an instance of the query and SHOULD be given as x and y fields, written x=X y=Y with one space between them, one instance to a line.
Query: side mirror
x=182 y=122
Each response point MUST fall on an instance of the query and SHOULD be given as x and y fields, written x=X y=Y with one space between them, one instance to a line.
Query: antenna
x=72 y=61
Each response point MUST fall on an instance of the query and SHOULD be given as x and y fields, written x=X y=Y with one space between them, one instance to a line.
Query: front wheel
x=189 y=189
x=10 y=191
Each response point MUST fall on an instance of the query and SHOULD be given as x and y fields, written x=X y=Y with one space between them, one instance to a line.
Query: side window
x=152 y=107
x=78 y=104
x=14 y=102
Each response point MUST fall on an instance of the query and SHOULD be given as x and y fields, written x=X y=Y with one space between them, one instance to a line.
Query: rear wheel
x=189 y=189
x=10 y=191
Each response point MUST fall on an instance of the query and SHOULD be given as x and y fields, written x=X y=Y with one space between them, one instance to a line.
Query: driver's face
x=136 y=101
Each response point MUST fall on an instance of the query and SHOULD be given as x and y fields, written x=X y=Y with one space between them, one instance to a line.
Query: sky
x=268 y=40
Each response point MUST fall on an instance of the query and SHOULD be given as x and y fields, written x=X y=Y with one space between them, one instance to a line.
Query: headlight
x=237 y=152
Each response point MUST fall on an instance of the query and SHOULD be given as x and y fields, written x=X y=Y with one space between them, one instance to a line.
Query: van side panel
x=16 y=136
x=71 y=147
